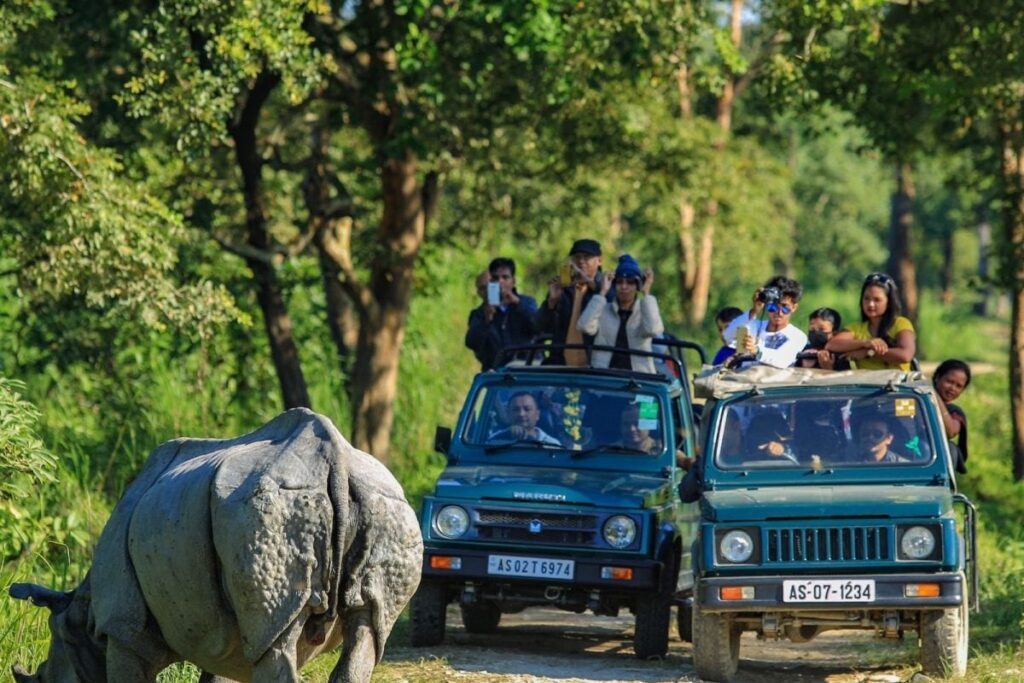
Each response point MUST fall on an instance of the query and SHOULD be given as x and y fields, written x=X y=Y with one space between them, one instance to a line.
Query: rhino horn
x=22 y=676
x=41 y=596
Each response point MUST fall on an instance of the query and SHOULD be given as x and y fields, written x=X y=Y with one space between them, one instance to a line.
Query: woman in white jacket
x=629 y=321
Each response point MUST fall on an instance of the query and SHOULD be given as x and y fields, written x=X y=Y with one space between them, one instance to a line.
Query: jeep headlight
x=619 y=531
x=451 y=521
x=736 y=546
x=917 y=543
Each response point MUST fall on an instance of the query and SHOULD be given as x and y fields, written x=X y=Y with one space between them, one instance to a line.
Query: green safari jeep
x=561 y=490
x=828 y=501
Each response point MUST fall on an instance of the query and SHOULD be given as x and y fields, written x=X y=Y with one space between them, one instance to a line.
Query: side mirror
x=442 y=439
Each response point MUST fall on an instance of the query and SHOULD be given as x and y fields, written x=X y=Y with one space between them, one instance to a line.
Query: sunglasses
x=878 y=279
x=873 y=434
x=784 y=308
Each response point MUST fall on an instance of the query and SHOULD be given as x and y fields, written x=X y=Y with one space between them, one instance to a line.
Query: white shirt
x=778 y=349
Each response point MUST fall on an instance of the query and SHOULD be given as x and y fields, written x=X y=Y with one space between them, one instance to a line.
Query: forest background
x=211 y=211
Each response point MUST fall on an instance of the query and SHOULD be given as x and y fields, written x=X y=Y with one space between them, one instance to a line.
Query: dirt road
x=549 y=646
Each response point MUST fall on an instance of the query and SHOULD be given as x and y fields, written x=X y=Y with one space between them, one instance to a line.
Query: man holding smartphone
x=504 y=319
x=568 y=294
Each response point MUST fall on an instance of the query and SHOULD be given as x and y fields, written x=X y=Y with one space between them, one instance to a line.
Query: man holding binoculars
x=765 y=335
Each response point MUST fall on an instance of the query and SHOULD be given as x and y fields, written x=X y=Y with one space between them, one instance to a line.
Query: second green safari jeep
x=561 y=490
x=828 y=502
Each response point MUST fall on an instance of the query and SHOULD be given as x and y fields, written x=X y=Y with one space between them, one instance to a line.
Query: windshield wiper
x=502 y=445
x=610 y=447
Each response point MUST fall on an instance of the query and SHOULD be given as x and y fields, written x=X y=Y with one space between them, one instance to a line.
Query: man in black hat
x=554 y=316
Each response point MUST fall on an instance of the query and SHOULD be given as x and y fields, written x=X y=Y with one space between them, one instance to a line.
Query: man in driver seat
x=768 y=437
x=523 y=417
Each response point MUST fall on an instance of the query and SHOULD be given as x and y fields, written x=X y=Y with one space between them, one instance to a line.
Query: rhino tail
x=338 y=494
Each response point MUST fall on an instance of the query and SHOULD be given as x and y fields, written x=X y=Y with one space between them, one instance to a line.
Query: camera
x=769 y=295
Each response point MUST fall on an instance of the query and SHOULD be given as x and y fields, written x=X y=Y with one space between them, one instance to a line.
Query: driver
x=874 y=437
x=524 y=415
x=769 y=437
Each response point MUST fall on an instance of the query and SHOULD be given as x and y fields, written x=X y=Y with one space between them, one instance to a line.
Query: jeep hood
x=822 y=502
x=559 y=486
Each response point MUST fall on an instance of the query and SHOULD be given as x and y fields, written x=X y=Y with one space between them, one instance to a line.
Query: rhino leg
x=124 y=665
x=279 y=664
x=358 y=652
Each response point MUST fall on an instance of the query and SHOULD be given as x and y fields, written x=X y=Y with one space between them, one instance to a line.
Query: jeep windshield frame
x=588 y=420
x=762 y=437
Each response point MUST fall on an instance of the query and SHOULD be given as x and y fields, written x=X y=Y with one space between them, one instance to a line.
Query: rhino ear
x=41 y=596
x=22 y=676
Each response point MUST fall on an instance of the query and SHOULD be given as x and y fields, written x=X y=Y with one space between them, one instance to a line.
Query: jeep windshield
x=558 y=417
x=823 y=430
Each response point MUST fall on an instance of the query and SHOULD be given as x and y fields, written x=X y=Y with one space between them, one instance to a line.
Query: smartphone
x=565 y=275
x=493 y=293
x=741 y=338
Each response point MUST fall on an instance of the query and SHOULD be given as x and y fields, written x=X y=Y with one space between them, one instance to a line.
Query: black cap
x=591 y=247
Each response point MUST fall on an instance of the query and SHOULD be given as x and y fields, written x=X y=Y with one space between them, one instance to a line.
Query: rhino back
x=272 y=520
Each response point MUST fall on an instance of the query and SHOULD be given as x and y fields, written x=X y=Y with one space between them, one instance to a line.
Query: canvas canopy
x=719 y=382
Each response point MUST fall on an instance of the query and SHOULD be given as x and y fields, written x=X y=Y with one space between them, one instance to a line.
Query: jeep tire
x=684 y=621
x=429 y=605
x=653 y=617
x=716 y=646
x=944 y=641
x=481 y=617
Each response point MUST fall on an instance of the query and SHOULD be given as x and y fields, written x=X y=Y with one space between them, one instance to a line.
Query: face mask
x=817 y=338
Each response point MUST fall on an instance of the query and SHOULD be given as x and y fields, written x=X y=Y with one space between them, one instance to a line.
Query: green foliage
x=71 y=228
x=25 y=464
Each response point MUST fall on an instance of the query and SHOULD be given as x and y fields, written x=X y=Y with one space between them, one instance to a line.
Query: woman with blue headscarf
x=629 y=321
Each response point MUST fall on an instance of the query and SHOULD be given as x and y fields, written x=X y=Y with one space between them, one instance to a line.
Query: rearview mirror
x=442 y=439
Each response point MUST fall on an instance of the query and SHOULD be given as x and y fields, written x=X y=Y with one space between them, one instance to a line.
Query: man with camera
x=504 y=319
x=568 y=295
x=765 y=335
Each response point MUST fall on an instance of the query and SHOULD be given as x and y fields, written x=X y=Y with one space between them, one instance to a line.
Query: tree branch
x=334 y=241
x=777 y=39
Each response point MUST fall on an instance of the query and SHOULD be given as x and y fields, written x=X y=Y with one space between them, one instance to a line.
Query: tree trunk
x=687 y=255
x=330 y=222
x=701 y=286
x=702 y=282
x=946 y=275
x=283 y=349
x=382 y=326
x=901 y=222
x=1012 y=134
x=984 y=229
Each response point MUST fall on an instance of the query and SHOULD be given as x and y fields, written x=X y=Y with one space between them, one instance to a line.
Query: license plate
x=829 y=590
x=536 y=567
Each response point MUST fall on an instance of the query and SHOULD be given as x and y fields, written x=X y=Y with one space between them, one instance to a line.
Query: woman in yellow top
x=883 y=338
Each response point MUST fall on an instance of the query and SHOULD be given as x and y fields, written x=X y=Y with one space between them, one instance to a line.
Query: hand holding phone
x=565 y=275
x=493 y=293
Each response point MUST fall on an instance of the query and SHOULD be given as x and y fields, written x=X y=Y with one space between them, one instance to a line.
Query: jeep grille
x=835 y=544
x=513 y=525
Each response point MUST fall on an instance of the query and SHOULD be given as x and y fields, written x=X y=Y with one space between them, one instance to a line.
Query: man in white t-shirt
x=770 y=337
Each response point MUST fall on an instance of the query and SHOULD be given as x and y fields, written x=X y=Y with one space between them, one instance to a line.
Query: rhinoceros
x=247 y=557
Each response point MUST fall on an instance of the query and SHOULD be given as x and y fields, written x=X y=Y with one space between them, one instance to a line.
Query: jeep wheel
x=944 y=641
x=428 y=614
x=653 y=616
x=482 y=617
x=716 y=646
x=684 y=621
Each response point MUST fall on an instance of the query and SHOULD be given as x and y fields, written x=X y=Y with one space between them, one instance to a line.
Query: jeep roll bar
x=673 y=357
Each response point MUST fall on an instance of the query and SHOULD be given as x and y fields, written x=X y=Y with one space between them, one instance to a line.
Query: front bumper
x=768 y=593
x=646 y=574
